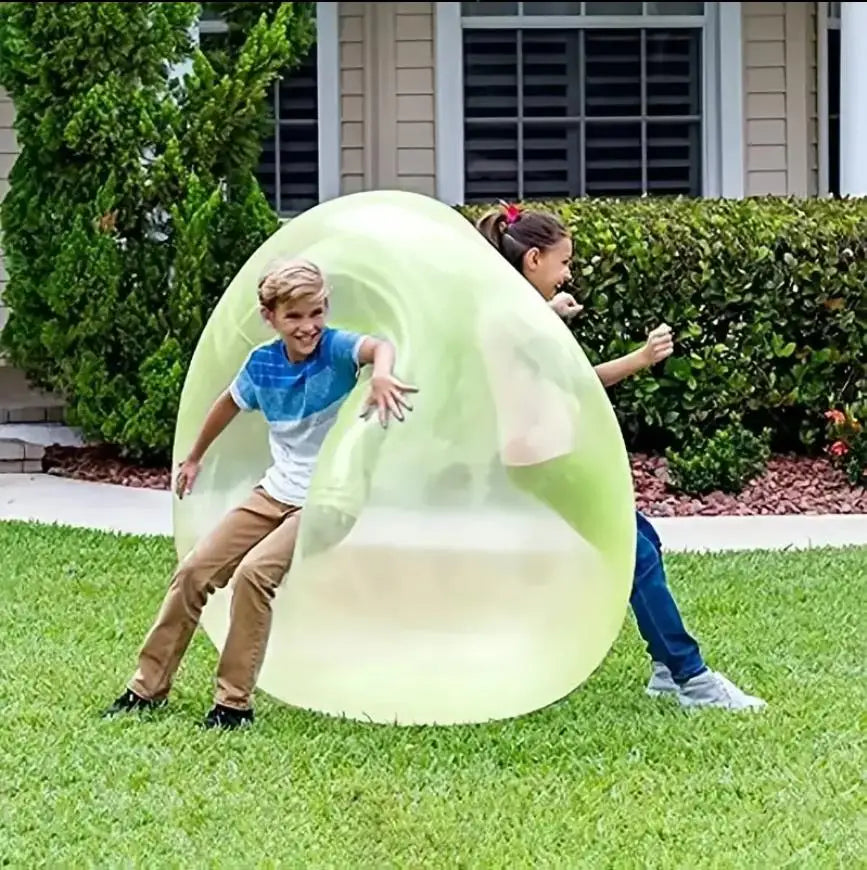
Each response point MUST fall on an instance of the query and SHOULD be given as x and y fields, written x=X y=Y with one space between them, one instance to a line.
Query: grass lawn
x=606 y=778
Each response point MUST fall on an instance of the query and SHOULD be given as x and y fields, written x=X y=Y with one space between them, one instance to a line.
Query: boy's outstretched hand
x=660 y=345
x=188 y=471
x=387 y=396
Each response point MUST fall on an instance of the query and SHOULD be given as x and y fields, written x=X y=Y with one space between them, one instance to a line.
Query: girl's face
x=548 y=270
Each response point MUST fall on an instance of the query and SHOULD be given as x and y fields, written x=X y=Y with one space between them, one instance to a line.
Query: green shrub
x=726 y=460
x=767 y=299
x=133 y=201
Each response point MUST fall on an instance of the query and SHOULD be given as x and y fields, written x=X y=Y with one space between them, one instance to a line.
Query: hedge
x=767 y=299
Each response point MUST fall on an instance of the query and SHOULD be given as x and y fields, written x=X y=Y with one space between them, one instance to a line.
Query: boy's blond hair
x=289 y=280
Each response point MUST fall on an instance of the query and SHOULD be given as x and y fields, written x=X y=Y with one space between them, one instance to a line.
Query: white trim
x=448 y=100
x=823 y=22
x=723 y=122
x=212 y=25
x=730 y=109
x=180 y=71
x=853 y=113
x=711 y=183
x=328 y=99
x=583 y=22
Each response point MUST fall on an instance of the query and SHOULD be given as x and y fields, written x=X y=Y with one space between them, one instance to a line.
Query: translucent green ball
x=469 y=564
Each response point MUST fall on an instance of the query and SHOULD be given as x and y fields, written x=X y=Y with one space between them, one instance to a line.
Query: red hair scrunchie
x=511 y=212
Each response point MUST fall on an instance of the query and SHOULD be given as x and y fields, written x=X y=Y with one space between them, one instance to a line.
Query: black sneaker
x=227 y=718
x=129 y=702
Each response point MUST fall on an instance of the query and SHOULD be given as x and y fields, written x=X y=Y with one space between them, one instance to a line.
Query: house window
x=582 y=99
x=833 y=131
x=288 y=170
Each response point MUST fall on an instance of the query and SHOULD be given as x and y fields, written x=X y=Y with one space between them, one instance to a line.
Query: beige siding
x=781 y=98
x=387 y=103
x=415 y=97
x=8 y=150
x=352 y=96
x=764 y=34
x=797 y=97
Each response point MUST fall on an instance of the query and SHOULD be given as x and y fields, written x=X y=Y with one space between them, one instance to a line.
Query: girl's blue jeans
x=656 y=613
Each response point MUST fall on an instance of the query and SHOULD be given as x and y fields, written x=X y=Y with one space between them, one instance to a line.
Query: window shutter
x=552 y=104
x=674 y=152
x=572 y=111
x=490 y=115
x=289 y=167
x=834 y=109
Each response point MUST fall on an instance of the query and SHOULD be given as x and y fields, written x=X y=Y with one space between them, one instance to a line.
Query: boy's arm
x=386 y=391
x=379 y=353
x=222 y=412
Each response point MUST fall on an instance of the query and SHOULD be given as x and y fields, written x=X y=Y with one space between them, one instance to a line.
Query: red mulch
x=791 y=485
x=103 y=465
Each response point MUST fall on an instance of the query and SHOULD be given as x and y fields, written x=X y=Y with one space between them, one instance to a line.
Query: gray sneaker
x=712 y=689
x=661 y=682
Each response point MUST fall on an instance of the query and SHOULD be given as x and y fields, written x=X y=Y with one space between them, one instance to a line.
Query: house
x=484 y=100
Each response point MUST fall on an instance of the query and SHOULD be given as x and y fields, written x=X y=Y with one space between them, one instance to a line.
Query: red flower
x=836 y=417
x=838 y=448
x=511 y=212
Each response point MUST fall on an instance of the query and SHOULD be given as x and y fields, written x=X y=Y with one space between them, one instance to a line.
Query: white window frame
x=327 y=94
x=827 y=18
x=722 y=74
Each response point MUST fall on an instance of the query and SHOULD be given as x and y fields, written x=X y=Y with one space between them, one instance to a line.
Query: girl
x=540 y=248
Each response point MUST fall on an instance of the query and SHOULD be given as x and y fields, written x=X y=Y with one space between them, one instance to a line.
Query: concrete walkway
x=47 y=499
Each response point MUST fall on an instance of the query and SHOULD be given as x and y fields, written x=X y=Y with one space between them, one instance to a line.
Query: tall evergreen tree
x=133 y=201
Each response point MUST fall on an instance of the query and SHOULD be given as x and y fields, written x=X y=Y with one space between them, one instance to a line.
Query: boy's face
x=548 y=270
x=299 y=323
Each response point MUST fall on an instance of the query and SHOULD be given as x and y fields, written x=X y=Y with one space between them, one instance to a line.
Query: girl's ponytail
x=514 y=232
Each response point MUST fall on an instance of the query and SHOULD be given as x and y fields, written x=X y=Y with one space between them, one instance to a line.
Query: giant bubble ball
x=469 y=564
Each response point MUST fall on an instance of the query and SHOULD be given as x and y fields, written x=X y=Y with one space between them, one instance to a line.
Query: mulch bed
x=103 y=465
x=791 y=485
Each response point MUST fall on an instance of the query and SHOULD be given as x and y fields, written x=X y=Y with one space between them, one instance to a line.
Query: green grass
x=606 y=778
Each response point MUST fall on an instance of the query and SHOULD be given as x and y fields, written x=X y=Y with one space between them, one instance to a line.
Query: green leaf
x=679 y=368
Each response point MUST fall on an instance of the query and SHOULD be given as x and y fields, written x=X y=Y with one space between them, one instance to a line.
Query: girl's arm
x=659 y=346
x=534 y=415
x=616 y=370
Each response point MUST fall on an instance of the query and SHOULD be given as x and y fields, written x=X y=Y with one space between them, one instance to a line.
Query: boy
x=254 y=543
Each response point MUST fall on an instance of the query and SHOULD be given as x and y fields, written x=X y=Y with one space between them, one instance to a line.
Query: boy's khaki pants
x=253 y=544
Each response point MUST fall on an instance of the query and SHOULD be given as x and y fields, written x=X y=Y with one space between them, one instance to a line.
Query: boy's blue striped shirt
x=300 y=401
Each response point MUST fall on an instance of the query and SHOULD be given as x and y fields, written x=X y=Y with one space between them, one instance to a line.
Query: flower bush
x=847 y=441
